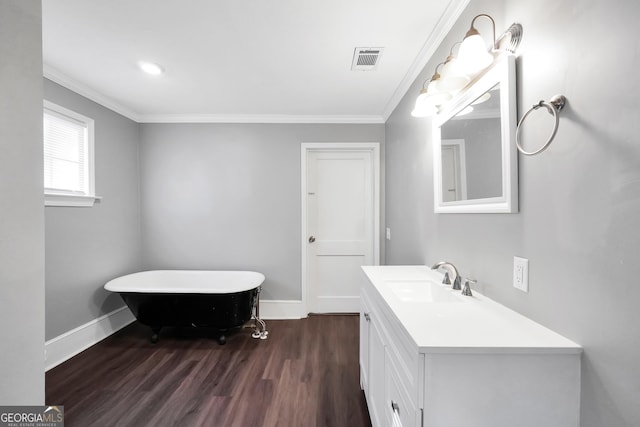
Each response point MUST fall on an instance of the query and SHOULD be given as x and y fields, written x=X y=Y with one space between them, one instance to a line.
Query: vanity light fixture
x=473 y=54
x=151 y=68
x=510 y=39
x=430 y=96
x=424 y=107
x=452 y=78
x=458 y=72
x=436 y=95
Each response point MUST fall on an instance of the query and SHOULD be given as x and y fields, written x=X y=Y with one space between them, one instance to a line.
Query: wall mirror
x=474 y=156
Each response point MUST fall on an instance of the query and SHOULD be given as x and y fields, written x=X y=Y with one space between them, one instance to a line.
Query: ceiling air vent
x=366 y=58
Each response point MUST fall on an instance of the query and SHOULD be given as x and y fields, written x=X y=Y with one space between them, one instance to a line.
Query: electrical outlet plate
x=521 y=273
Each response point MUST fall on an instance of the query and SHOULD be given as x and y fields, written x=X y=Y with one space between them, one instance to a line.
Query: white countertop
x=460 y=323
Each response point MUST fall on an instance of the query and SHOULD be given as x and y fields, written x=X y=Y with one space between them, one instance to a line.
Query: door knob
x=312 y=239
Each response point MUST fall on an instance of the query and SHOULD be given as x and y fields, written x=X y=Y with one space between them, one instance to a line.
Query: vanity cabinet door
x=386 y=371
x=372 y=361
x=365 y=322
x=376 y=373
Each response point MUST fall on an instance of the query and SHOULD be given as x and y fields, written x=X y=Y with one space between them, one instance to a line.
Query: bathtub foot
x=155 y=335
x=222 y=339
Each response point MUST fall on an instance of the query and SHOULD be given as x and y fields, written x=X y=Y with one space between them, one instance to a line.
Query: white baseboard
x=282 y=309
x=67 y=345
x=335 y=304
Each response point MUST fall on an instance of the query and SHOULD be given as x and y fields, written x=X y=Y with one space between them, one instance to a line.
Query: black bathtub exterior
x=221 y=312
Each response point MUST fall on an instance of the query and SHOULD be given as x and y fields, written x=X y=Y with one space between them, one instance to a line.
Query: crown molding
x=62 y=79
x=440 y=31
x=261 y=118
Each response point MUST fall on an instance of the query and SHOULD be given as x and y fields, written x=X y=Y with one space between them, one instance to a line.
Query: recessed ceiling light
x=151 y=68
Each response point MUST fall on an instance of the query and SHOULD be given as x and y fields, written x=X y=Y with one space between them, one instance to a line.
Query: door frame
x=305 y=149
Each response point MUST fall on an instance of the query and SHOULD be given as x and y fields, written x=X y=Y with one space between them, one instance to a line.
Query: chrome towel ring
x=554 y=106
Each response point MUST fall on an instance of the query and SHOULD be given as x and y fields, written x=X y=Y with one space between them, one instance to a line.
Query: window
x=68 y=157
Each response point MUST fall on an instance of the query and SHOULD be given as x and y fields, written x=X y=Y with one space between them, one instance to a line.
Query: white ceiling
x=243 y=60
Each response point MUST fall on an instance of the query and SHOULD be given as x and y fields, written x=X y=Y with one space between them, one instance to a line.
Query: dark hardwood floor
x=305 y=374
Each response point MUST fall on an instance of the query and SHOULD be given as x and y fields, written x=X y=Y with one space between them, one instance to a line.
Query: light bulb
x=451 y=78
x=473 y=55
x=424 y=106
x=437 y=96
x=426 y=111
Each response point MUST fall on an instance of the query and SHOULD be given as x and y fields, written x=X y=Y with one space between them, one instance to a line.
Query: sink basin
x=421 y=291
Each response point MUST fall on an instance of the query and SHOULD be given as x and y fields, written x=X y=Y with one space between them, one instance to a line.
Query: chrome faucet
x=446 y=280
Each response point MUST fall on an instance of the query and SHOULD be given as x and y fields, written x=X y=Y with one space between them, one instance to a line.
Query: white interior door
x=450 y=182
x=340 y=226
x=453 y=170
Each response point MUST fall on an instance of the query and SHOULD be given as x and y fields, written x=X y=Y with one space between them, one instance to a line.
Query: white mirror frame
x=503 y=73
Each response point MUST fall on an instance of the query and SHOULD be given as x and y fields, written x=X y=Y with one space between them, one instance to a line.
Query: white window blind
x=68 y=156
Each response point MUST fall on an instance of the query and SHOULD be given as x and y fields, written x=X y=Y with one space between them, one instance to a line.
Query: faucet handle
x=456 y=283
x=446 y=280
x=467 y=289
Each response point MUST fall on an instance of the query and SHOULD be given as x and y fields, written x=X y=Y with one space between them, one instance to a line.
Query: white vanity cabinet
x=388 y=367
x=459 y=361
x=372 y=360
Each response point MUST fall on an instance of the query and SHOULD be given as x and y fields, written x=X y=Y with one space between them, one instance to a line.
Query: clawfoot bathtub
x=221 y=300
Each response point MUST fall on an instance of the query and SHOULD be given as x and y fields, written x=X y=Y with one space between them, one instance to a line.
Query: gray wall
x=21 y=211
x=579 y=200
x=86 y=247
x=227 y=196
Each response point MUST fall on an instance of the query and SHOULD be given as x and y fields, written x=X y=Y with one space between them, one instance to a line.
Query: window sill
x=70 y=200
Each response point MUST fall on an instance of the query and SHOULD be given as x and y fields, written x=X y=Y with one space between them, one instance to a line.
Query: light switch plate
x=521 y=273
x=388 y=233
